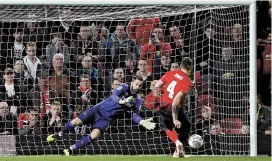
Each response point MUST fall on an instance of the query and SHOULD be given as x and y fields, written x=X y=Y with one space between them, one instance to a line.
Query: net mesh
x=215 y=37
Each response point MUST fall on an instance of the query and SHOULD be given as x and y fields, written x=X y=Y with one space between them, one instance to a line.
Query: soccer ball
x=195 y=141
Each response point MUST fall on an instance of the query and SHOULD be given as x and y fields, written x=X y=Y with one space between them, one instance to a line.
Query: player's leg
x=99 y=128
x=83 y=118
x=186 y=126
x=166 y=116
x=183 y=132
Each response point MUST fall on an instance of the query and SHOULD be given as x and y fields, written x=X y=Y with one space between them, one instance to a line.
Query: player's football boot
x=52 y=137
x=180 y=151
x=67 y=152
x=176 y=154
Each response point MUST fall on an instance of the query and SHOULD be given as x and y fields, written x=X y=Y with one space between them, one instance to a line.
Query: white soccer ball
x=195 y=141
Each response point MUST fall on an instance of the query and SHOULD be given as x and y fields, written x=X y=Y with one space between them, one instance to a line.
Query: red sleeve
x=144 y=52
x=157 y=21
x=131 y=28
x=166 y=75
x=20 y=120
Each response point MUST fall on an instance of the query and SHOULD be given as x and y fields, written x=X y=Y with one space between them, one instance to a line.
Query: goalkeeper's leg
x=68 y=127
x=84 y=118
x=98 y=128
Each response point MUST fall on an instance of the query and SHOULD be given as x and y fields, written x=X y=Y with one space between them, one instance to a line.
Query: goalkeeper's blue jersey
x=111 y=109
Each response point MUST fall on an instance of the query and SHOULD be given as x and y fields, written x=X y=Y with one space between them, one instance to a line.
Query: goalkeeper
x=123 y=99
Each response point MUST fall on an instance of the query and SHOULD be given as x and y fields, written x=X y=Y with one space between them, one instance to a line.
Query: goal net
x=215 y=37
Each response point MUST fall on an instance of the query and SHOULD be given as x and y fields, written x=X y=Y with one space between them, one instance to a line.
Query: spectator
x=130 y=67
x=82 y=46
x=12 y=93
x=203 y=125
x=216 y=129
x=115 y=84
x=237 y=32
x=12 y=50
x=140 y=29
x=178 y=44
x=145 y=74
x=21 y=76
x=99 y=32
x=239 y=43
x=41 y=95
x=228 y=72
x=32 y=62
x=29 y=123
x=61 y=80
x=88 y=69
x=57 y=46
x=163 y=68
x=118 y=45
x=33 y=33
x=155 y=49
x=245 y=129
x=174 y=66
x=206 y=48
x=263 y=116
x=16 y=49
x=117 y=74
x=153 y=99
x=54 y=120
x=8 y=121
x=84 y=96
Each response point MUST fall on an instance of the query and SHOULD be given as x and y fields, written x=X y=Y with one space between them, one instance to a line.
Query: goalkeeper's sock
x=81 y=143
x=68 y=127
x=172 y=135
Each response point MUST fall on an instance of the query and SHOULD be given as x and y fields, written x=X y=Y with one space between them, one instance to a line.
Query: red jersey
x=175 y=81
x=23 y=120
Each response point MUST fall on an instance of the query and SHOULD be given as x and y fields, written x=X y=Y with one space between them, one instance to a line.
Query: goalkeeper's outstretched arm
x=147 y=123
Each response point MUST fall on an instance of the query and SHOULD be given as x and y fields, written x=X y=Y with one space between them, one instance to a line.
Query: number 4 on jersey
x=171 y=89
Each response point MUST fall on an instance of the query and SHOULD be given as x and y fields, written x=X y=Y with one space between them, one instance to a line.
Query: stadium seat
x=205 y=99
x=231 y=125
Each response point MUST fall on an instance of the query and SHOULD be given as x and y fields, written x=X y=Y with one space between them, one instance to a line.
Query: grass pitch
x=131 y=158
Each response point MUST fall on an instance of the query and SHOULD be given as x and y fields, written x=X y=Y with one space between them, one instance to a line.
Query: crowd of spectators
x=49 y=75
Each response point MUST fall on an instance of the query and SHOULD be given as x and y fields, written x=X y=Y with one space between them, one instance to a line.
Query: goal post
x=200 y=15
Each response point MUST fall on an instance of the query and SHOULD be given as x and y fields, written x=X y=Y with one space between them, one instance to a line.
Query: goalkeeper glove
x=148 y=124
x=126 y=100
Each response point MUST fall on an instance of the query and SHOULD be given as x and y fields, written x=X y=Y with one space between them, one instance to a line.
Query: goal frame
x=252 y=38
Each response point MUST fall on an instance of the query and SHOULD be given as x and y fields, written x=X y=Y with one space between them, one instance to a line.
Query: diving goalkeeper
x=123 y=99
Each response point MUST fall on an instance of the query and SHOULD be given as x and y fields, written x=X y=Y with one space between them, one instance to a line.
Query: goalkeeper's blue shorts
x=93 y=117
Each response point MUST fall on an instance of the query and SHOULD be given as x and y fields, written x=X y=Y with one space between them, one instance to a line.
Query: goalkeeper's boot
x=67 y=152
x=52 y=137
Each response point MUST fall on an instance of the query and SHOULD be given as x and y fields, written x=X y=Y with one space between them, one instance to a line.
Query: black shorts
x=166 y=116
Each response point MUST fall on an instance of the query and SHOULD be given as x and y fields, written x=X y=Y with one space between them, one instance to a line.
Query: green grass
x=131 y=158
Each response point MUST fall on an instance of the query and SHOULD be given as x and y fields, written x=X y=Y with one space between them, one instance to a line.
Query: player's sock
x=81 y=143
x=172 y=135
x=68 y=127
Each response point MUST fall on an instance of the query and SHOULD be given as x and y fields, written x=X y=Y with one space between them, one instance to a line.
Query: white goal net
x=97 y=57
